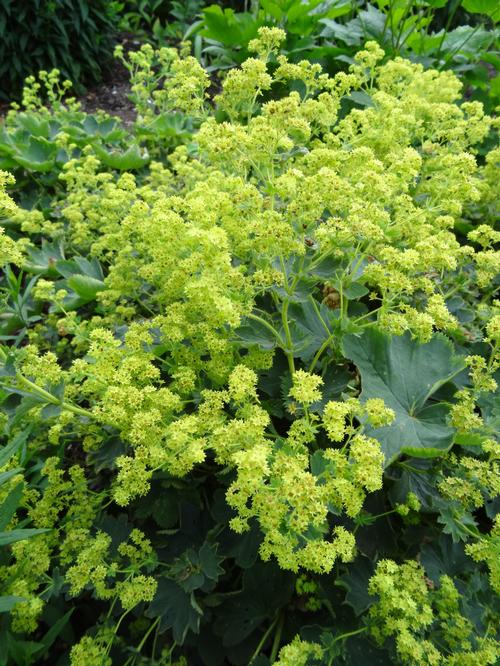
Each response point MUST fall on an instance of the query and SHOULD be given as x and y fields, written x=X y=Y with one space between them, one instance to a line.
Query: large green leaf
x=37 y=155
x=266 y=588
x=444 y=556
x=489 y=7
x=253 y=332
x=43 y=260
x=176 y=608
x=405 y=374
x=129 y=160
x=229 y=27
x=85 y=286
x=355 y=582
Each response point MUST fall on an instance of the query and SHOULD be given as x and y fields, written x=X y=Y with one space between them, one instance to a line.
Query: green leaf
x=43 y=260
x=10 y=504
x=445 y=557
x=360 y=652
x=210 y=562
x=405 y=374
x=85 y=286
x=54 y=632
x=456 y=522
x=186 y=571
x=252 y=332
x=35 y=125
x=168 y=126
x=355 y=290
x=266 y=588
x=5 y=476
x=7 y=538
x=107 y=128
x=21 y=652
x=228 y=27
x=12 y=447
x=129 y=160
x=463 y=40
x=310 y=327
x=176 y=609
x=361 y=98
x=355 y=581
x=38 y=155
x=68 y=267
x=418 y=477
x=7 y=603
x=244 y=548
x=489 y=7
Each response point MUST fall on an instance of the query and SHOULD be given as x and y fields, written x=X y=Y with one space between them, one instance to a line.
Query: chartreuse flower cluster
x=183 y=81
x=10 y=251
x=205 y=359
x=275 y=483
x=410 y=609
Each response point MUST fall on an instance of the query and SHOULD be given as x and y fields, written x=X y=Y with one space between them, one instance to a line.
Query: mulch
x=111 y=95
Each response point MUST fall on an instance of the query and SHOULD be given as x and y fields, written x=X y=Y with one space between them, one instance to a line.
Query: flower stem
x=277 y=638
x=263 y=640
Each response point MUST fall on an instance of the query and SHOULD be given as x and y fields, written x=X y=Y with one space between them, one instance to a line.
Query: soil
x=111 y=95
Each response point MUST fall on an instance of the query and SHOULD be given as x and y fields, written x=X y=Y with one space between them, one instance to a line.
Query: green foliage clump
x=75 y=36
x=249 y=384
x=457 y=35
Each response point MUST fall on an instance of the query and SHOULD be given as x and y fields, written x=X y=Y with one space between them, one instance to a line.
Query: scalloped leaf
x=406 y=374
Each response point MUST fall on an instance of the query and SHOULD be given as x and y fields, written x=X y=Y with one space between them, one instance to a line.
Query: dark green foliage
x=159 y=19
x=74 y=36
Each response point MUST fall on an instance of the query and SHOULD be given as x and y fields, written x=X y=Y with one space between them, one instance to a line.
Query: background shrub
x=76 y=36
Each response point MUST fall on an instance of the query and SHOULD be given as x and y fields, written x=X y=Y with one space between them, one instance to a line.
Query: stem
x=288 y=337
x=277 y=639
x=459 y=287
x=350 y=633
x=423 y=28
x=391 y=18
x=68 y=406
x=447 y=27
x=401 y=27
x=285 y=276
x=408 y=467
x=367 y=314
x=320 y=351
x=312 y=300
x=263 y=640
x=477 y=535
x=153 y=649
x=115 y=630
x=381 y=515
x=146 y=635
x=269 y=326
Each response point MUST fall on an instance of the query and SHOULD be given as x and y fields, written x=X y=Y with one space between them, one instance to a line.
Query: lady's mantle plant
x=259 y=404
